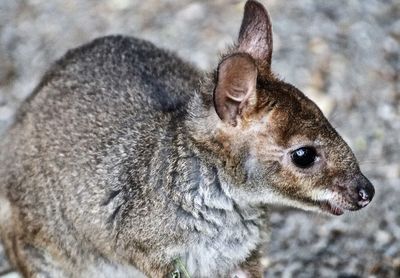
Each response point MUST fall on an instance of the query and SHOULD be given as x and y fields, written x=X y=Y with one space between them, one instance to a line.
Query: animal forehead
x=290 y=114
x=287 y=98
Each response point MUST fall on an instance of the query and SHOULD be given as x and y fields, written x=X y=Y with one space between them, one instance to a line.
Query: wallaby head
x=272 y=139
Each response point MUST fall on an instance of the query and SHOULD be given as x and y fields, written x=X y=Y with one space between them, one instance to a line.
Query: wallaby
x=127 y=161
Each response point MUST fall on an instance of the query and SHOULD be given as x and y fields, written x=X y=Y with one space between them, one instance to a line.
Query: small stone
x=396 y=263
x=327 y=272
x=120 y=4
x=319 y=46
x=392 y=171
x=265 y=262
x=11 y=275
x=360 y=144
x=6 y=113
x=348 y=275
x=192 y=12
x=382 y=237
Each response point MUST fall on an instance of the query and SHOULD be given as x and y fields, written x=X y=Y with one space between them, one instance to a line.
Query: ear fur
x=237 y=74
x=236 y=86
x=255 y=36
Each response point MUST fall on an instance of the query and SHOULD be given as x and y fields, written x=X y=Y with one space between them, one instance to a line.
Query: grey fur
x=119 y=161
x=101 y=163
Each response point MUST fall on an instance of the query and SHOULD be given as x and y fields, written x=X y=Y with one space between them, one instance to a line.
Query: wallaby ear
x=255 y=36
x=236 y=87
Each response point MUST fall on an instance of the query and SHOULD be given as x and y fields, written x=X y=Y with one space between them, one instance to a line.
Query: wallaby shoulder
x=112 y=88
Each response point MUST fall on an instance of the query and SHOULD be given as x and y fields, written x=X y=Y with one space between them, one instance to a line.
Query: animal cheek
x=288 y=183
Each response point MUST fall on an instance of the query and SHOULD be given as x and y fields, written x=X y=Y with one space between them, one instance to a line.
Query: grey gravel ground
x=343 y=54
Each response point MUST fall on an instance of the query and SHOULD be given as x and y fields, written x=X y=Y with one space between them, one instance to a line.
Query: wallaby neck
x=217 y=225
x=200 y=183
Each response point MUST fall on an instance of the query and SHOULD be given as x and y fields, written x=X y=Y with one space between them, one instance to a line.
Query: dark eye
x=304 y=157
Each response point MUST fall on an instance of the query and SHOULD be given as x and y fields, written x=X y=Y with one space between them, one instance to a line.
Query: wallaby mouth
x=354 y=197
x=328 y=207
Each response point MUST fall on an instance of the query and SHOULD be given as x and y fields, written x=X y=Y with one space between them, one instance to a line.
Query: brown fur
x=126 y=158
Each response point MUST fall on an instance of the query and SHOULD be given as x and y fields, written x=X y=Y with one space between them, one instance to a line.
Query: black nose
x=366 y=191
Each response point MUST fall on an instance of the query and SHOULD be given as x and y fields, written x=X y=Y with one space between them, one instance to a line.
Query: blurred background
x=343 y=54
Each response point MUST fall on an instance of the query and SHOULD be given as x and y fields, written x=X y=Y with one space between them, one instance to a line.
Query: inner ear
x=255 y=36
x=236 y=87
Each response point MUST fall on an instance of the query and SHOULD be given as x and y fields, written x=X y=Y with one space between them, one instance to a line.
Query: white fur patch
x=334 y=198
x=103 y=270
x=239 y=273
x=323 y=195
x=5 y=210
x=204 y=258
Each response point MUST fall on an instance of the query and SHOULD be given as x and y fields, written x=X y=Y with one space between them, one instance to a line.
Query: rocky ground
x=343 y=54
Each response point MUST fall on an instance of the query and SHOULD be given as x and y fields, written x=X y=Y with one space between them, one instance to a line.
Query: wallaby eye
x=304 y=157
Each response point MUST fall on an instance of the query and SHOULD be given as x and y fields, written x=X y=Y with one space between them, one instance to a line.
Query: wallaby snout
x=364 y=190
x=352 y=193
